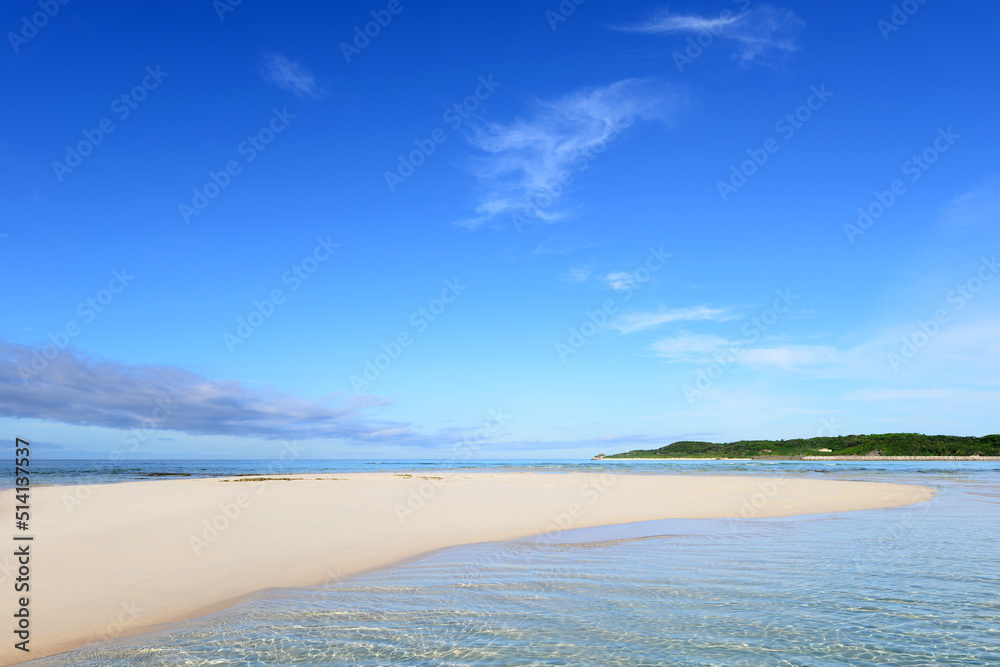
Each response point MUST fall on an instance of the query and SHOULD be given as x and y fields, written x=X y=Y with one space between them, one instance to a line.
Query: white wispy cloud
x=688 y=347
x=620 y=281
x=926 y=394
x=632 y=322
x=790 y=357
x=707 y=348
x=976 y=207
x=522 y=161
x=578 y=274
x=760 y=31
x=665 y=22
x=961 y=354
x=290 y=75
x=561 y=247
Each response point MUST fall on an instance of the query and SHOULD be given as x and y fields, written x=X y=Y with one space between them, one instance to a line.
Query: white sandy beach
x=115 y=559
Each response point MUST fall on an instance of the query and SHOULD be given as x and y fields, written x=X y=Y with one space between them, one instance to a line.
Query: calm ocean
x=914 y=586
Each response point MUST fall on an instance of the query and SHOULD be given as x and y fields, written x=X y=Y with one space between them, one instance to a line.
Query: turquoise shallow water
x=909 y=586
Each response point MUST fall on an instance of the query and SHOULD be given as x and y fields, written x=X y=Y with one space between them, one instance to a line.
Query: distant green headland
x=887 y=444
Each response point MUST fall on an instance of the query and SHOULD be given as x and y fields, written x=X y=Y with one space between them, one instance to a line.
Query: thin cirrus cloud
x=579 y=274
x=961 y=352
x=706 y=348
x=621 y=442
x=791 y=357
x=688 y=347
x=978 y=206
x=990 y=397
x=632 y=322
x=79 y=390
x=562 y=247
x=667 y=23
x=620 y=281
x=757 y=33
x=520 y=163
x=290 y=75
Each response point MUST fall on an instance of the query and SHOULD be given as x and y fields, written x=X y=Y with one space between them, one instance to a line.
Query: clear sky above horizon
x=519 y=229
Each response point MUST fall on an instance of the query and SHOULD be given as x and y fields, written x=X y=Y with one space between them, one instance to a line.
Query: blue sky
x=517 y=229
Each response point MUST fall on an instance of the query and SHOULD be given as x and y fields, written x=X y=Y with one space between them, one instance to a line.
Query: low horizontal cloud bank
x=607 y=444
x=75 y=389
x=942 y=352
x=970 y=397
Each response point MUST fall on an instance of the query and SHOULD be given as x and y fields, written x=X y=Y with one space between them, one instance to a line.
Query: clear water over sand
x=909 y=586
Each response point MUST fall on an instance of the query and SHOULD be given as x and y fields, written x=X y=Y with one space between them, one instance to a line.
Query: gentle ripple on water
x=904 y=587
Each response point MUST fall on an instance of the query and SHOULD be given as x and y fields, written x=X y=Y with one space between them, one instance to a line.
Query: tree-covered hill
x=887 y=444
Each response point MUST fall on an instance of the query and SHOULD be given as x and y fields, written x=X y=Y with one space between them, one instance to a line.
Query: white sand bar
x=115 y=559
